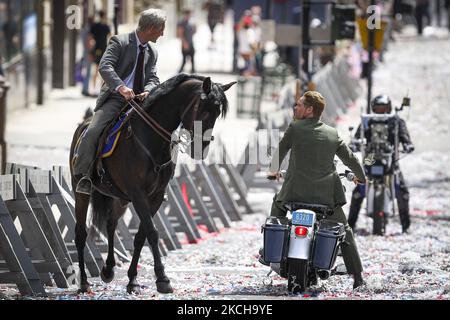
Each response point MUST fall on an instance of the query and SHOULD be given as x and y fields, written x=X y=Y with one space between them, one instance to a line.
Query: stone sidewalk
x=41 y=135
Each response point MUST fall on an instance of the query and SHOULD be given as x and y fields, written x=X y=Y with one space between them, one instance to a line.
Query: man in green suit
x=311 y=176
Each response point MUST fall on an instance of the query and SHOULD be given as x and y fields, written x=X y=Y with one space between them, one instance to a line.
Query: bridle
x=166 y=135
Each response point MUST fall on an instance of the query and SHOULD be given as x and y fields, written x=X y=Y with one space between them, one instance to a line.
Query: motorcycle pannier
x=275 y=238
x=329 y=235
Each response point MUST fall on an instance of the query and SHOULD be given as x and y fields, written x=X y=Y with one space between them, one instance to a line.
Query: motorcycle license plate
x=302 y=218
x=377 y=170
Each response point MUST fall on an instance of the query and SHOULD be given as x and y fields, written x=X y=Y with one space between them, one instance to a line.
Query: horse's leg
x=107 y=273
x=146 y=212
x=139 y=240
x=81 y=207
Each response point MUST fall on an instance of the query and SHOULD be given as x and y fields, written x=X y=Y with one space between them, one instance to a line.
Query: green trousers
x=349 y=250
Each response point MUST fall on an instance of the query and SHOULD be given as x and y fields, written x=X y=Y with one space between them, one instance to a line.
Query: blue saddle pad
x=113 y=136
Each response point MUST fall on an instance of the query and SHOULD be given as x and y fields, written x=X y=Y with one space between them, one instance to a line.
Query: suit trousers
x=88 y=146
x=402 y=194
x=348 y=247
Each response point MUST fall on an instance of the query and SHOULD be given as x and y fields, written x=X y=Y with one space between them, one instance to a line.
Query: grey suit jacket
x=118 y=62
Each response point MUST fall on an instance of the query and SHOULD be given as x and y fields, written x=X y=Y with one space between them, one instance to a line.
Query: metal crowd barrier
x=37 y=221
x=4 y=86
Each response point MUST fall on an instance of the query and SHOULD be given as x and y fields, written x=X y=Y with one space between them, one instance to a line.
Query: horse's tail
x=102 y=210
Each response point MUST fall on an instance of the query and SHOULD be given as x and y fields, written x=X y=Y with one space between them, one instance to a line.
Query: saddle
x=106 y=146
x=110 y=136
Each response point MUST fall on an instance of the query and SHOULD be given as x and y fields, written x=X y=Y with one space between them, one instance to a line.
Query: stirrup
x=84 y=186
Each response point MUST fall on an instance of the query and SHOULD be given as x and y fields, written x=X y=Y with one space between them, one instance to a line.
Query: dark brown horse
x=140 y=168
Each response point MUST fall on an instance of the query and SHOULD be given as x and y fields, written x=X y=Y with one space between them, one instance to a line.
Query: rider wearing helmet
x=381 y=104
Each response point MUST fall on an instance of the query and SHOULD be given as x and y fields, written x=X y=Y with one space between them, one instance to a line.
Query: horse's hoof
x=84 y=288
x=164 y=287
x=107 y=277
x=133 y=289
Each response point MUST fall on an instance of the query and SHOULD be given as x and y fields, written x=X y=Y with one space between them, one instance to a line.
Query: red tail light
x=301 y=231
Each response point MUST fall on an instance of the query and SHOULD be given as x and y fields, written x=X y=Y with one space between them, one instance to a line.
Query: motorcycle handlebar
x=349 y=175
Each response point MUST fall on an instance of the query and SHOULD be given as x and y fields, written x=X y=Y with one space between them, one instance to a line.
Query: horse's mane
x=169 y=85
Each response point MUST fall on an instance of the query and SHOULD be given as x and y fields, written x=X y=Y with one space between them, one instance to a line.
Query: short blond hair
x=315 y=100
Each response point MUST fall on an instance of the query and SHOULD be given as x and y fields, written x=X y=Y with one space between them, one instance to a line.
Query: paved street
x=224 y=265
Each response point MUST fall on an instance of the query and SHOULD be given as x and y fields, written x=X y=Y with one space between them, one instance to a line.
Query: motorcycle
x=379 y=158
x=303 y=245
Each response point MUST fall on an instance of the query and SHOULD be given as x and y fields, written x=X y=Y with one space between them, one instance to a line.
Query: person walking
x=422 y=10
x=128 y=68
x=88 y=58
x=185 y=31
x=100 y=32
x=447 y=7
x=215 y=15
x=247 y=46
x=2 y=73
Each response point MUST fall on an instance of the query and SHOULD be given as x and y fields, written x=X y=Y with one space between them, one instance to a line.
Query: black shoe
x=84 y=186
x=405 y=227
x=358 y=281
x=261 y=258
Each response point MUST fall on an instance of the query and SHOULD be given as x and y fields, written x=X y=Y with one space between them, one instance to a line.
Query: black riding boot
x=85 y=183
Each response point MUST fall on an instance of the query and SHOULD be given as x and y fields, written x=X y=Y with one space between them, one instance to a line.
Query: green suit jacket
x=311 y=176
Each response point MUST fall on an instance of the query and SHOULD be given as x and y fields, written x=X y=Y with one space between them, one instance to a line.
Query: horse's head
x=201 y=115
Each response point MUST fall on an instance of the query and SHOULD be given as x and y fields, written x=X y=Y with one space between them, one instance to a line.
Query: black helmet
x=381 y=104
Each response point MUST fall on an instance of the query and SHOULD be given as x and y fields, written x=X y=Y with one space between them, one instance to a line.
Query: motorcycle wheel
x=379 y=216
x=297 y=275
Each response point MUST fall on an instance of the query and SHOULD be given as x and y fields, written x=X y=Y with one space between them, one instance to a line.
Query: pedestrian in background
x=88 y=58
x=185 y=31
x=246 y=45
x=422 y=10
x=215 y=15
x=447 y=7
x=100 y=32
x=258 y=47
x=2 y=74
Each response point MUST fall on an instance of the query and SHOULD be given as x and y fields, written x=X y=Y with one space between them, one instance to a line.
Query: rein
x=166 y=135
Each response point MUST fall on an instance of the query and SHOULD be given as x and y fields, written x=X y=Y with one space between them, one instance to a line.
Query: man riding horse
x=141 y=166
x=128 y=68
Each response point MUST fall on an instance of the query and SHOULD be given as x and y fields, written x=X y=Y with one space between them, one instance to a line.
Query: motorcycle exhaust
x=324 y=274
